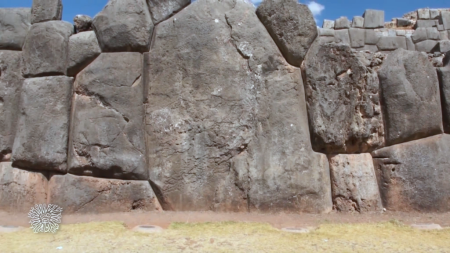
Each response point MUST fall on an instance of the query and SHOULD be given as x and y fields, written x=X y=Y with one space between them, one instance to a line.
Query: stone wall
x=424 y=30
x=218 y=105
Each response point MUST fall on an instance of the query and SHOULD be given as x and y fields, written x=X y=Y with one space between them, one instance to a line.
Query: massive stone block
x=444 y=83
x=358 y=22
x=371 y=37
x=391 y=43
x=328 y=24
x=20 y=190
x=354 y=184
x=428 y=46
x=291 y=25
x=414 y=176
x=357 y=37
x=95 y=195
x=46 y=10
x=107 y=136
x=342 y=23
x=445 y=19
x=163 y=9
x=124 y=25
x=14 y=26
x=342 y=36
x=226 y=118
x=83 y=49
x=420 y=34
x=373 y=19
x=43 y=126
x=423 y=13
x=10 y=85
x=343 y=101
x=46 y=49
x=410 y=97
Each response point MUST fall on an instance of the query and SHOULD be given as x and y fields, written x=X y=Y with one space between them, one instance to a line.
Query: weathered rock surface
x=410 y=95
x=226 y=118
x=428 y=46
x=444 y=83
x=14 y=26
x=391 y=43
x=414 y=176
x=342 y=92
x=342 y=36
x=46 y=49
x=42 y=130
x=342 y=23
x=82 y=23
x=291 y=26
x=95 y=195
x=160 y=10
x=83 y=49
x=358 y=22
x=373 y=19
x=10 y=85
x=357 y=37
x=124 y=25
x=20 y=190
x=107 y=136
x=46 y=10
x=354 y=184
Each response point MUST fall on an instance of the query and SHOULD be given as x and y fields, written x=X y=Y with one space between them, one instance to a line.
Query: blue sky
x=323 y=9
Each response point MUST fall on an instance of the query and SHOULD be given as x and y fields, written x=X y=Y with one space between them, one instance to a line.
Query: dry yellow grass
x=229 y=237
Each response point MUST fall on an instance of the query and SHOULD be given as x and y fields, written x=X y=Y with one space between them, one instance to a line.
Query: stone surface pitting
x=354 y=184
x=43 y=125
x=107 y=136
x=46 y=10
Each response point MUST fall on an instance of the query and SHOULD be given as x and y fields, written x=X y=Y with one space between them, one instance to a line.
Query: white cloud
x=315 y=8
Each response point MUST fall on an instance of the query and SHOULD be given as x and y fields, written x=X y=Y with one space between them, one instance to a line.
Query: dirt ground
x=231 y=232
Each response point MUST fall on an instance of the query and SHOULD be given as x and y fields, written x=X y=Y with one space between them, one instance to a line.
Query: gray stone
x=435 y=14
x=342 y=92
x=20 y=190
x=444 y=83
x=46 y=10
x=293 y=36
x=400 y=32
x=410 y=95
x=342 y=36
x=425 y=23
x=14 y=26
x=160 y=10
x=420 y=34
x=358 y=22
x=354 y=183
x=414 y=176
x=83 y=49
x=423 y=13
x=357 y=37
x=440 y=28
x=326 y=32
x=445 y=19
x=428 y=46
x=82 y=23
x=372 y=37
x=444 y=35
x=433 y=33
x=124 y=26
x=76 y=194
x=10 y=85
x=370 y=48
x=391 y=43
x=392 y=33
x=43 y=125
x=107 y=136
x=444 y=46
x=226 y=122
x=373 y=19
x=46 y=49
x=342 y=23
x=328 y=24
x=403 y=22
x=410 y=44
